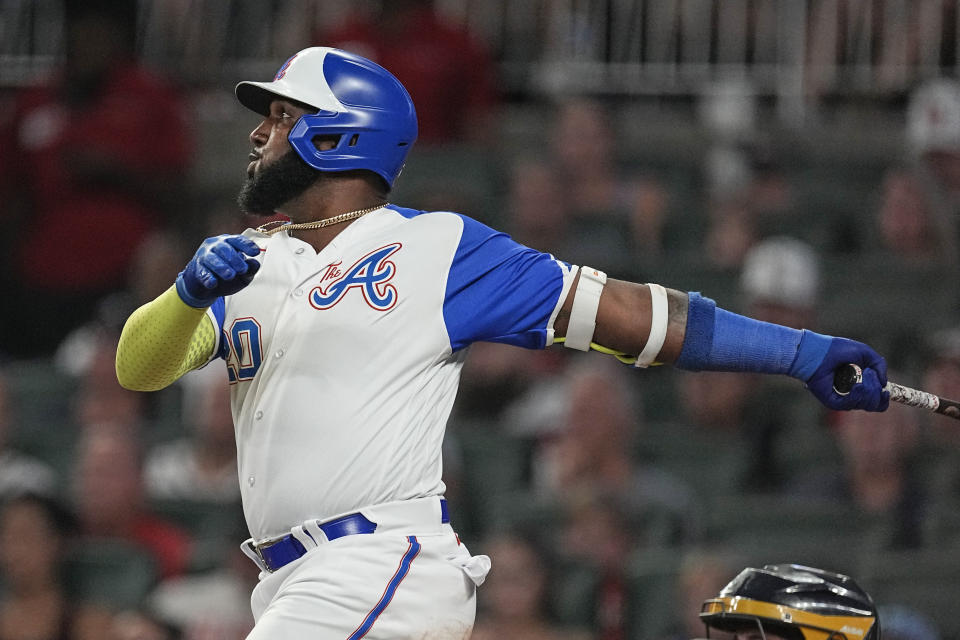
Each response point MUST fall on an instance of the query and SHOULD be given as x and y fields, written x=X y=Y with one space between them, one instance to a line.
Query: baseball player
x=792 y=602
x=344 y=331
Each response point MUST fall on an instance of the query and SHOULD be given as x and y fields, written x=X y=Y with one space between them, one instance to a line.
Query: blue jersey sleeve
x=499 y=290
x=218 y=311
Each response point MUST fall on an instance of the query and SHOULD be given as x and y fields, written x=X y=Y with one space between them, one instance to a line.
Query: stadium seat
x=40 y=399
x=214 y=527
x=572 y=594
x=494 y=467
x=927 y=580
x=774 y=528
x=653 y=593
x=883 y=292
x=459 y=178
x=109 y=572
x=708 y=461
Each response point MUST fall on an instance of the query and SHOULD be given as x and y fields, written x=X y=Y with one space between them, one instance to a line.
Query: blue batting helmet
x=355 y=98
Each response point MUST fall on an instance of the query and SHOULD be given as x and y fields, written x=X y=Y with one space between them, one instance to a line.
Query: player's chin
x=250 y=206
x=254 y=211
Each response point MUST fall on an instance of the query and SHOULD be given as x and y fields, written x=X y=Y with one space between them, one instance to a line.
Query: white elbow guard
x=583 y=315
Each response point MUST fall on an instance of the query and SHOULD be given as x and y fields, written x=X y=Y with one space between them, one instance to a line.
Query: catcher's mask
x=356 y=99
x=793 y=602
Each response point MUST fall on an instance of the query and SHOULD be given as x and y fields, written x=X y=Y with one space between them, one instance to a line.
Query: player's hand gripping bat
x=850 y=374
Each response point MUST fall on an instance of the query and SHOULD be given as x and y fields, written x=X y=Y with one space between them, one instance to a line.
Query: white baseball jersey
x=344 y=365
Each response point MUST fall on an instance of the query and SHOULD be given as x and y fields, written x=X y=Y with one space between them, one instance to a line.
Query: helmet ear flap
x=361 y=144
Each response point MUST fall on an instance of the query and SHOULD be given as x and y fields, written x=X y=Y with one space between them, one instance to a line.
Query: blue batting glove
x=218 y=268
x=819 y=356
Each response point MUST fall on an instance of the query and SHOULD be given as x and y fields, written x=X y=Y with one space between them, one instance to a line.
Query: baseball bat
x=850 y=374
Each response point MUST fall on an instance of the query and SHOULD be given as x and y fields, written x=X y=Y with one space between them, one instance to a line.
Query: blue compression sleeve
x=718 y=340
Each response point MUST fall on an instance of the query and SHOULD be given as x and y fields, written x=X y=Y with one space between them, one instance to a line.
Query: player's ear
x=326 y=142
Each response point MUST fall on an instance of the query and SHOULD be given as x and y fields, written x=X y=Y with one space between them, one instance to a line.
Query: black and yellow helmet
x=794 y=602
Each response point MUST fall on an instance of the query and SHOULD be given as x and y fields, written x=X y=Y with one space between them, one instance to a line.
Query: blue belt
x=282 y=551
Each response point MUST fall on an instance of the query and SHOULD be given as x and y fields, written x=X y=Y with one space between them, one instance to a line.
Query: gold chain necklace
x=272 y=227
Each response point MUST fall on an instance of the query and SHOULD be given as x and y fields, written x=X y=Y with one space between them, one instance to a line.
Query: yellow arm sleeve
x=161 y=341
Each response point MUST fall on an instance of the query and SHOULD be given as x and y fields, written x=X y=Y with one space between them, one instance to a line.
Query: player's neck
x=331 y=200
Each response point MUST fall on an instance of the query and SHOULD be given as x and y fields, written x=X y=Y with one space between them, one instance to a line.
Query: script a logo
x=371 y=274
x=282 y=71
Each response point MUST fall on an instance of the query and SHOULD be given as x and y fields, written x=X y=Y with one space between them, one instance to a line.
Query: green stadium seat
x=494 y=469
x=774 y=528
x=927 y=580
x=40 y=396
x=113 y=573
x=708 y=461
x=573 y=592
x=653 y=593
x=460 y=178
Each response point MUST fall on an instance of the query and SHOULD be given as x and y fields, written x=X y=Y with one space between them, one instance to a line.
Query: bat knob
x=845 y=377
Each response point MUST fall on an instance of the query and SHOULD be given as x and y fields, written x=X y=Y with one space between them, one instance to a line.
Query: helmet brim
x=257 y=97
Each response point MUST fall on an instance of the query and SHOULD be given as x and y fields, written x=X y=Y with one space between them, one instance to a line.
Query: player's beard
x=276 y=184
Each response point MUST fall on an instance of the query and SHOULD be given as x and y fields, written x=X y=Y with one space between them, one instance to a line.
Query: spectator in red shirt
x=449 y=74
x=87 y=161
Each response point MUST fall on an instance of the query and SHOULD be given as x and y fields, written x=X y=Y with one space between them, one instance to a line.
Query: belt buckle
x=255 y=548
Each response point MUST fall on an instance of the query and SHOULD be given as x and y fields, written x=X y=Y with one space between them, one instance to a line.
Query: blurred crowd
x=612 y=501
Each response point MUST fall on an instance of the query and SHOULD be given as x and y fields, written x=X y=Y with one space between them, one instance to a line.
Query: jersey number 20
x=246 y=354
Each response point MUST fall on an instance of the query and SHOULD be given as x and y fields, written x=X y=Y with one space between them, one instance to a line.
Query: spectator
x=513 y=601
x=99 y=398
x=203 y=465
x=448 y=72
x=34 y=604
x=779 y=283
x=880 y=480
x=715 y=401
x=731 y=232
x=155 y=262
x=110 y=502
x=906 y=220
x=593 y=450
x=920 y=202
x=761 y=202
x=614 y=219
x=142 y=625
x=728 y=111
x=941 y=376
x=19 y=473
x=597 y=533
x=497 y=378
x=89 y=159
x=749 y=192
x=212 y=605
x=537 y=207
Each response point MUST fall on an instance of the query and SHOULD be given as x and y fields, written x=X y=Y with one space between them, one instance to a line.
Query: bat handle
x=845 y=377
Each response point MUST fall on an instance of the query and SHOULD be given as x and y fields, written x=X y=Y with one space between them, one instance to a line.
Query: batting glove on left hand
x=218 y=268
x=819 y=357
